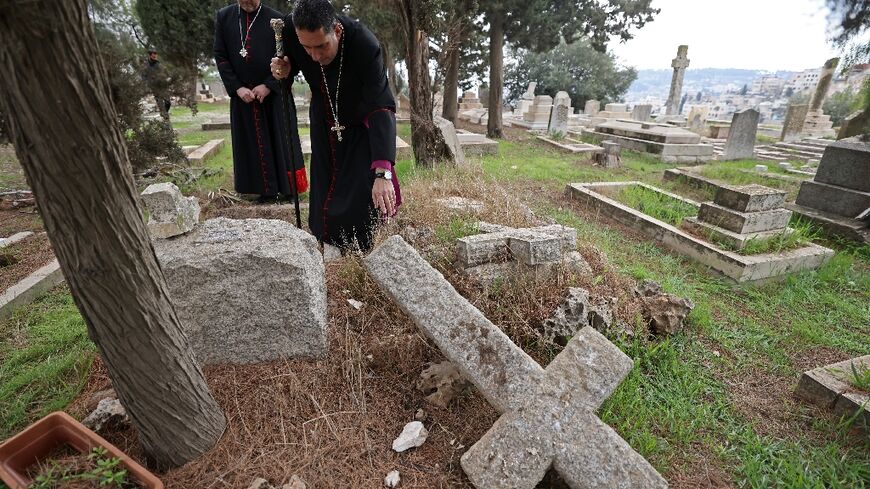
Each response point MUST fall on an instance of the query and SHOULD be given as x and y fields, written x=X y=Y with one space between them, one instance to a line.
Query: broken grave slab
x=832 y=387
x=548 y=415
x=750 y=198
x=533 y=245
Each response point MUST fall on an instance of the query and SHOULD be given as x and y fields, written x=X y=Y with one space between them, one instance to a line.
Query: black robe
x=342 y=212
x=261 y=158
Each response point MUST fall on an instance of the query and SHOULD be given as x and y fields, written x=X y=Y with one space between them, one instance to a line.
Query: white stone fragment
x=392 y=479
x=414 y=435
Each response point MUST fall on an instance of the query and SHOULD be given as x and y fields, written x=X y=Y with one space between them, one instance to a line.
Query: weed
x=656 y=204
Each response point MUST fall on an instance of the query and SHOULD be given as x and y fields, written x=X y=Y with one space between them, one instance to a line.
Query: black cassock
x=261 y=159
x=342 y=212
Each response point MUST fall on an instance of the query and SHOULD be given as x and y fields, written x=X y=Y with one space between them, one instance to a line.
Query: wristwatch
x=386 y=175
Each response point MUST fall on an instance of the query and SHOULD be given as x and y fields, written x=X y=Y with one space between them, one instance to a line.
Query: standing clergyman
x=244 y=42
x=353 y=122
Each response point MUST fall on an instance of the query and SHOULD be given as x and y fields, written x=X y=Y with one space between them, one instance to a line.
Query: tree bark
x=496 y=73
x=64 y=128
x=426 y=140
x=451 y=82
x=390 y=67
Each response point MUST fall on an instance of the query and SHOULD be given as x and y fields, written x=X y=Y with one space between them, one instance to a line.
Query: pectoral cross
x=337 y=128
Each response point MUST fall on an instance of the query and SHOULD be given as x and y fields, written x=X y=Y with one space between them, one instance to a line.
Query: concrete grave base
x=26 y=291
x=571 y=145
x=851 y=229
x=736 y=267
x=830 y=387
x=199 y=155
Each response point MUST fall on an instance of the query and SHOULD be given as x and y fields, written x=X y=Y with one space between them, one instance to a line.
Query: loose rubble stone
x=260 y=483
x=248 y=290
x=575 y=312
x=548 y=415
x=295 y=483
x=95 y=399
x=442 y=382
x=108 y=412
x=461 y=204
x=392 y=479
x=169 y=212
x=355 y=304
x=666 y=313
x=413 y=435
x=331 y=253
x=418 y=236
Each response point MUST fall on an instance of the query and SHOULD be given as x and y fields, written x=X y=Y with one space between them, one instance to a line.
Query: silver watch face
x=388 y=175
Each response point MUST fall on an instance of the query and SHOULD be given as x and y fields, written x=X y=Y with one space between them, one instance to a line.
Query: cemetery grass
x=709 y=407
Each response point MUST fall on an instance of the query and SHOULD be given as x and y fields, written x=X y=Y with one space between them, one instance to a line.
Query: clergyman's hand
x=384 y=197
x=245 y=94
x=261 y=92
x=280 y=68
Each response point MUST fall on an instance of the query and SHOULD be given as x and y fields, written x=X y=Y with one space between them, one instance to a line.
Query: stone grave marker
x=680 y=63
x=742 y=136
x=548 y=416
x=794 y=122
x=592 y=107
x=169 y=212
x=560 y=113
x=641 y=112
x=448 y=131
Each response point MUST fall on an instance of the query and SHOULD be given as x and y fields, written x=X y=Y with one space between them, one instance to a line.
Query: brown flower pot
x=37 y=441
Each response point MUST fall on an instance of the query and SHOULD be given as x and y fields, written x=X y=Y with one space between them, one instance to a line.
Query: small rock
x=392 y=479
x=420 y=415
x=576 y=264
x=785 y=165
x=260 y=483
x=761 y=168
x=413 y=435
x=109 y=411
x=331 y=253
x=355 y=304
x=295 y=483
x=417 y=236
x=576 y=311
x=664 y=312
x=442 y=382
x=95 y=399
x=169 y=212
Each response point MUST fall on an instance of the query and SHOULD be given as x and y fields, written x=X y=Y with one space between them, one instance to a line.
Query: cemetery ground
x=711 y=406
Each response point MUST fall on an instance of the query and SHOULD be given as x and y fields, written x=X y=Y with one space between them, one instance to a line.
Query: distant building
x=804 y=81
x=768 y=85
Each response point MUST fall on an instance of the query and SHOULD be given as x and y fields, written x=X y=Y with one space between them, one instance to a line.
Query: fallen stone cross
x=548 y=416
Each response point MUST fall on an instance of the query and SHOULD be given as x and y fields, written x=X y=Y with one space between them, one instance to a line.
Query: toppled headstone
x=413 y=435
x=169 y=213
x=108 y=412
x=548 y=416
x=248 y=290
x=442 y=382
x=665 y=312
x=392 y=479
x=575 y=312
x=448 y=132
x=501 y=251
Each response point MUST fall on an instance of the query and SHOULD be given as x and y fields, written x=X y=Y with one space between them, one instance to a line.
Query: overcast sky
x=750 y=34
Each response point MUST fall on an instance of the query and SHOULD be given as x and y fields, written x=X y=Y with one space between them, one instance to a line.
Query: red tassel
x=301 y=180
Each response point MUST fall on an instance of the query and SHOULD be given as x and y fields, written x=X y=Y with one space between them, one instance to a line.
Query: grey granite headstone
x=248 y=290
x=794 y=121
x=548 y=415
x=592 y=107
x=641 y=112
x=846 y=163
x=742 y=136
x=559 y=115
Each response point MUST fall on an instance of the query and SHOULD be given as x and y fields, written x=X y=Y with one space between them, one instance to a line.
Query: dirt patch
x=25 y=257
x=699 y=473
x=17 y=220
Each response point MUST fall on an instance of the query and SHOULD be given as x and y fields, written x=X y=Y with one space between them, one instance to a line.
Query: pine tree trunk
x=64 y=128
x=426 y=141
x=451 y=81
x=496 y=73
x=390 y=67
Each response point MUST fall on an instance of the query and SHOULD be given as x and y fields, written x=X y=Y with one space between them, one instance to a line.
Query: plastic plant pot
x=37 y=441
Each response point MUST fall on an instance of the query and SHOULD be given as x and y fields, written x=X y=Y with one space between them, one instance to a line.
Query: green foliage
x=577 y=68
x=860 y=377
x=100 y=469
x=655 y=204
x=841 y=105
x=45 y=356
x=152 y=138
